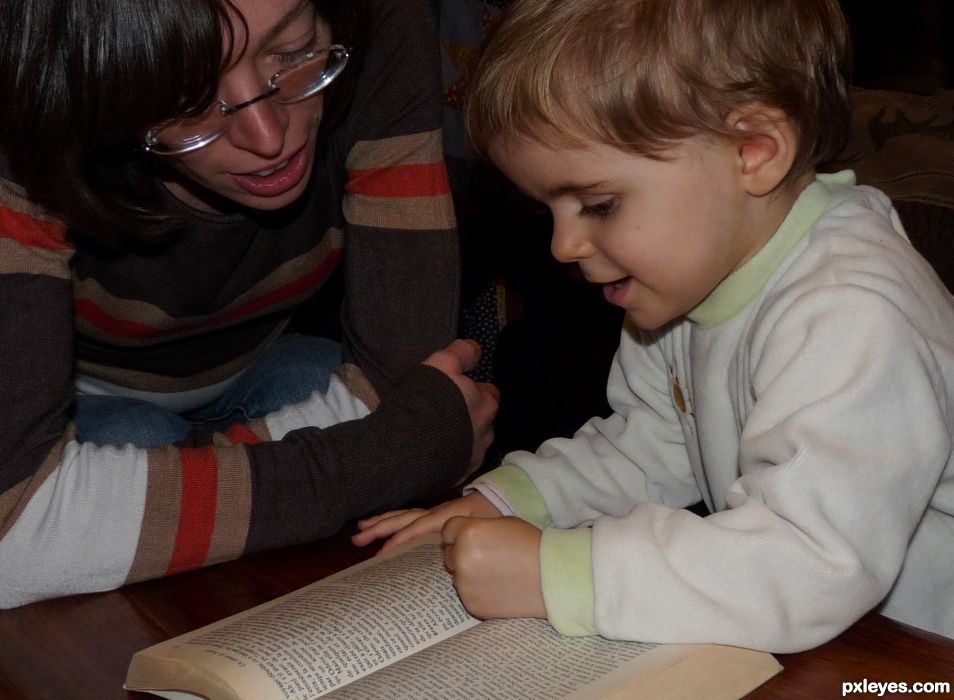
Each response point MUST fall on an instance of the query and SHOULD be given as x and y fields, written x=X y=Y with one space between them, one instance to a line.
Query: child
x=788 y=358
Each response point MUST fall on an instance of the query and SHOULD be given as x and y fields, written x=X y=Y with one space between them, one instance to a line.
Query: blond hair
x=641 y=74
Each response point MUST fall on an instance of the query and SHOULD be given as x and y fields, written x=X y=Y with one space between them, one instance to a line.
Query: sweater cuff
x=566 y=576
x=511 y=484
x=308 y=484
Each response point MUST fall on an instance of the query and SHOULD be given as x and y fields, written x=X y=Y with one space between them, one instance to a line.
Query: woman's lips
x=277 y=180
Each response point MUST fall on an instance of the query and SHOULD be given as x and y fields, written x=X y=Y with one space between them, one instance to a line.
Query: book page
x=327 y=634
x=394 y=628
x=518 y=658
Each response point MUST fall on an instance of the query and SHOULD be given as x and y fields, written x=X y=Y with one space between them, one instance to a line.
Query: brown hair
x=641 y=74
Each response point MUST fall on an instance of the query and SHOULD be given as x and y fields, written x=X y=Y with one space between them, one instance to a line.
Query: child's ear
x=766 y=143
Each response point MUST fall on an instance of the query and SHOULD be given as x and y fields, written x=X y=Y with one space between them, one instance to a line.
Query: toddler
x=787 y=358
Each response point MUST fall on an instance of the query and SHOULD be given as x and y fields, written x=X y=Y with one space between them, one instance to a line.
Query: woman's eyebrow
x=283 y=23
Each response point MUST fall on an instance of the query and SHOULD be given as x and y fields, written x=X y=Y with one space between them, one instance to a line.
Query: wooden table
x=77 y=648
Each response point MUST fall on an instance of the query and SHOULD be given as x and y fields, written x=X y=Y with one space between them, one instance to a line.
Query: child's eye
x=598 y=209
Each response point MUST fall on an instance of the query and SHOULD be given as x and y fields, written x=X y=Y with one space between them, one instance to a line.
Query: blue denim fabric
x=287 y=372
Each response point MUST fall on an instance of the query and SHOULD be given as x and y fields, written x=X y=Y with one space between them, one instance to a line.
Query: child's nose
x=260 y=129
x=570 y=243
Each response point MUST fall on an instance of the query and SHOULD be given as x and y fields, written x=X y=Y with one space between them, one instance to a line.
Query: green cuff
x=566 y=576
x=513 y=484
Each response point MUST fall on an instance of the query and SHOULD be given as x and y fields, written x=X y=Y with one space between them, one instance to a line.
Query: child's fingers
x=450 y=528
x=431 y=522
x=449 y=533
x=385 y=525
x=365 y=523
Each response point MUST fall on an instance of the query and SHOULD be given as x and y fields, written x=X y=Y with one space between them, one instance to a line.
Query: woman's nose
x=260 y=129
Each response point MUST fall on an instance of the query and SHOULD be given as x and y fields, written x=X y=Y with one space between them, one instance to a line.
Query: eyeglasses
x=315 y=71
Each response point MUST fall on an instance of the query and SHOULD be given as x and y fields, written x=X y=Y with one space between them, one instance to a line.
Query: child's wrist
x=488 y=503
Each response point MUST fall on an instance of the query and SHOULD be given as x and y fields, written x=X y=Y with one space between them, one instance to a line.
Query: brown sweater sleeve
x=402 y=265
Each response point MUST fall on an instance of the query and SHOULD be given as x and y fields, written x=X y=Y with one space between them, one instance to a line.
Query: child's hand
x=496 y=566
x=414 y=522
x=482 y=399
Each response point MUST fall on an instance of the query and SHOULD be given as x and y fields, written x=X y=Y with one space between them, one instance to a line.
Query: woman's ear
x=766 y=143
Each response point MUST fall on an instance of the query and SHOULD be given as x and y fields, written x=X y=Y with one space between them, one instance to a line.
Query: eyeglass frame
x=152 y=145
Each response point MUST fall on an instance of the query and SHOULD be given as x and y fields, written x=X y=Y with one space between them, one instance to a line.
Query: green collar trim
x=737 y=290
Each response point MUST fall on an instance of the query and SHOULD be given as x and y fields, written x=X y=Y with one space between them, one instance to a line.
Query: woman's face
x=265 y=157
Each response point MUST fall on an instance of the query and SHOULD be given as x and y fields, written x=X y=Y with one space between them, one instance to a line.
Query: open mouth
x=266 y=173
x=616 y=292
x=278 y=179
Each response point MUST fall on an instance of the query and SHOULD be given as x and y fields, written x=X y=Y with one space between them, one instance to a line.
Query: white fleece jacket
x=809 y=401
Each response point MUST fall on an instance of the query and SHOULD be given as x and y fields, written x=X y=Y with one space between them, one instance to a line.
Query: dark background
x=905 y=46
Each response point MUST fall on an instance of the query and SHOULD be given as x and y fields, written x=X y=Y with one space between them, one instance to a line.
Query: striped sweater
x=194 y=310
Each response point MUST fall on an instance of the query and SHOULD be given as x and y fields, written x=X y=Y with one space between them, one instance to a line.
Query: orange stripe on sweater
x=196 y=509
x=96 y=316
x=420 y=180
x=240 y=434
x=32 y=232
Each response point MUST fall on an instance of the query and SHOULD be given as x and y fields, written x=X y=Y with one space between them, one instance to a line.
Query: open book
x=393 y=627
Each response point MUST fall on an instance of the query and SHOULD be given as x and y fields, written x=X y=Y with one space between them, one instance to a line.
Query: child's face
x=657 y=235
x=264 y=159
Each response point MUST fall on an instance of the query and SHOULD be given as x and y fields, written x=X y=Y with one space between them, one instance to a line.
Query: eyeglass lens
x=187 y=131
x=297 y=82
x=291 y=84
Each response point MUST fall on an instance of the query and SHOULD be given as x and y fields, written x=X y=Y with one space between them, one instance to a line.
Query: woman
x=178 y=180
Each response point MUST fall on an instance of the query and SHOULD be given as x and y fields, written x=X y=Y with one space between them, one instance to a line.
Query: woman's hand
x=482 y=399
x=405 y=525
